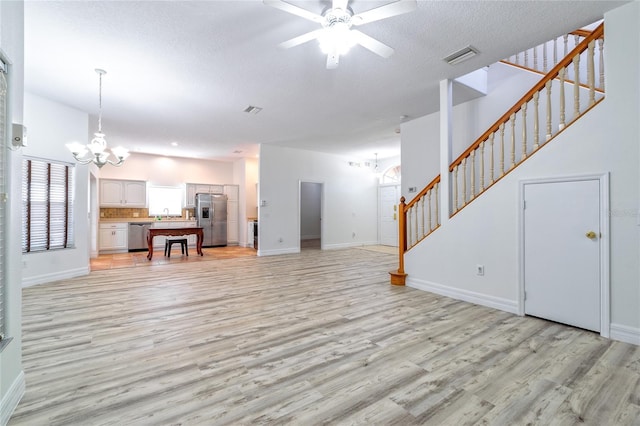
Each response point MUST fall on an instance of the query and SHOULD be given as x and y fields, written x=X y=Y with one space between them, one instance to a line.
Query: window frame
x=47 y=220
x=175 y=210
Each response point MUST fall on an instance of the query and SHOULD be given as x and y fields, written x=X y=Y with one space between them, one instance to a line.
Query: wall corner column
x=446 y=119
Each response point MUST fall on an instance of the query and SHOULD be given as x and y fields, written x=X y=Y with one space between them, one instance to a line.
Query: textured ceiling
x=181 y=71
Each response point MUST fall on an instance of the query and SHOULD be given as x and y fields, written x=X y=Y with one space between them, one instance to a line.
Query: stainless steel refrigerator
x=211 y=215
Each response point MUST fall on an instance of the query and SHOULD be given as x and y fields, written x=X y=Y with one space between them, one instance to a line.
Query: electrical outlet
x=480 y=270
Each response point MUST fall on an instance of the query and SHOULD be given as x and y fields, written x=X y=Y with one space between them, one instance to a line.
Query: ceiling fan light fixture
x=461 y=55
x=337 y=38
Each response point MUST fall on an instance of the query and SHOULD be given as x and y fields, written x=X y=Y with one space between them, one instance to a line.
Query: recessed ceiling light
x=174 y=143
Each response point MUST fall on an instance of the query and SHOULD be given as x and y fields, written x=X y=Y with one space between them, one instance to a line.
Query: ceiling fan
x=336 y=35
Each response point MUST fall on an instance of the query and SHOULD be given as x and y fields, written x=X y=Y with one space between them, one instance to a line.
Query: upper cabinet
x=199 y=188
x=123 y=193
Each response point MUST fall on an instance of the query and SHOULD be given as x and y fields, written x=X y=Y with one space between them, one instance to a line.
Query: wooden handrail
x=566 y=61
x=583 y=33
x=566 y=80
x=423 y=192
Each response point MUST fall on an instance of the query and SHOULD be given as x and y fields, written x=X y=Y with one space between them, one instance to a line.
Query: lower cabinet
x=114 y=236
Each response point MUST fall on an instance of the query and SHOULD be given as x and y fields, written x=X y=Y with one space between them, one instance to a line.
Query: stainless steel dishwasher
x=138 y=235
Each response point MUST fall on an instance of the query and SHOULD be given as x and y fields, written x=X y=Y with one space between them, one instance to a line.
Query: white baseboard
x=465 y=295
x=12 y=398
x=291 y=250
x=624 y=333
x=348 y=245
x=55 y=276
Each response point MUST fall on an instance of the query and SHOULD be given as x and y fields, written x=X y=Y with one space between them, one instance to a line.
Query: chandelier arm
x=116 y=163
x=82 y=160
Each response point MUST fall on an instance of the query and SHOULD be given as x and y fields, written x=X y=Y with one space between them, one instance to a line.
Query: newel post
x=398 y=277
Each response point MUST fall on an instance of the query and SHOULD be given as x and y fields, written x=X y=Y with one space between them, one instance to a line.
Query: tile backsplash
x=124 y=213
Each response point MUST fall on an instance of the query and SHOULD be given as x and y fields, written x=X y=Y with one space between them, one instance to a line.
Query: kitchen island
x=173 y=232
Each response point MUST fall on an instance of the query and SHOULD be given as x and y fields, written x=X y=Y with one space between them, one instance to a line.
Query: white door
x=389 y=199
x=561 y=231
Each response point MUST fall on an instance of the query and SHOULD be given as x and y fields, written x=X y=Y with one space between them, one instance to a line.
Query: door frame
x=322 y=211
x=603 y=179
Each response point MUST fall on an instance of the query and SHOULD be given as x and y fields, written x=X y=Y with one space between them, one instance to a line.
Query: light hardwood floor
x=318 y=337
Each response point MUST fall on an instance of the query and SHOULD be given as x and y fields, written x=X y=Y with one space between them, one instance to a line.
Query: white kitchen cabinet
x=190 y=195
x=123 y=193
x=233 y=224
x=200 y=188
x=111 y=192
x=114 y=236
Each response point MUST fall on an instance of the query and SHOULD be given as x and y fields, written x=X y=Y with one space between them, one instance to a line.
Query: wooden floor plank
x=318 y=337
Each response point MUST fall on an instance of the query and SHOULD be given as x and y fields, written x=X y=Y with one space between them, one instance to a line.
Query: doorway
x=94 y=212
x=389 y=197
x=564 y=246
x=311 y=215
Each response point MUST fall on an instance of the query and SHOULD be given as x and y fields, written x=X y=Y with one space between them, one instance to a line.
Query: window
x=162 y=198
x=47 y=205
x=392 y=175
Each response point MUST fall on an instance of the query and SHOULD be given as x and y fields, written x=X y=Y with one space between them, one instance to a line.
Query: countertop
x=143 y=220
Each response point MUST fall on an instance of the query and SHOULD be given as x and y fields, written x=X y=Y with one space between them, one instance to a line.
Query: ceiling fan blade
x=340 y=4
x=295 y=10
x=372 y=44
x=300 y=39
x=388 y=10
x=333 y=59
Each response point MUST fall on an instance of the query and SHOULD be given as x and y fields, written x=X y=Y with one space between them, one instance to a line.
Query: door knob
x=591 y=235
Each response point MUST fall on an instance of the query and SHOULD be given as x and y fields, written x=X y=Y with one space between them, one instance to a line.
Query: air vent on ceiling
x=461 y=55
x=252 y=109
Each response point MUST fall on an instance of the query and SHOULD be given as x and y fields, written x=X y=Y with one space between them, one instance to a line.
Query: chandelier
x=96 y=151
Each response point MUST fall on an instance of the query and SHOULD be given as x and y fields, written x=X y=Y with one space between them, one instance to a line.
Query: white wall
x=51 y=125
x=486 y=231
x=349 y=204
x=170 y=171
x=11 y=376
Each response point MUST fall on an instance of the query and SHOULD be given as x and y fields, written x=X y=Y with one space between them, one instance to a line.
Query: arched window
x=392 y=175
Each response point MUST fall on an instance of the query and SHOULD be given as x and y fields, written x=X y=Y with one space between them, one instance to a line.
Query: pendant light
x=96 y=151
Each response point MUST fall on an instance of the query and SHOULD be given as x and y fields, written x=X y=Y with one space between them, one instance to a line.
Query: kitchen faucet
x=166 y=210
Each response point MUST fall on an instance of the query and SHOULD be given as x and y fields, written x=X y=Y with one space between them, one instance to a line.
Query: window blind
x=47 y=205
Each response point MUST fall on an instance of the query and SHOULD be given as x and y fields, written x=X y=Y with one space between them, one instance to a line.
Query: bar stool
x=170 y=241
